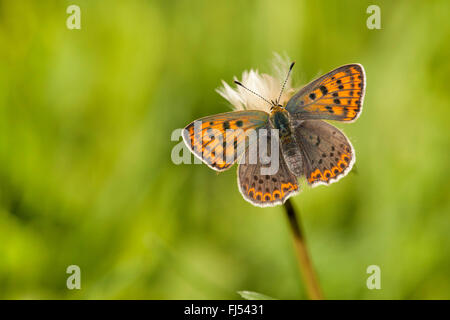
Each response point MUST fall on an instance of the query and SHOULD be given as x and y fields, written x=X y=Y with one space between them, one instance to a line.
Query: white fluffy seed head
x=267 y=86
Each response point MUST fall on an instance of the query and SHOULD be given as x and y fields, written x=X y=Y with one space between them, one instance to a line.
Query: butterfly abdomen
x=280 y=120
x=292 y=156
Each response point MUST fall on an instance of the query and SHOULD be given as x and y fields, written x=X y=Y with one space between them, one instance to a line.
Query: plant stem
x=304 y=261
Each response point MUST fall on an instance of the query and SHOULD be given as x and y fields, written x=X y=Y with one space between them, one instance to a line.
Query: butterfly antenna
x=285 y=81
x=256 y=94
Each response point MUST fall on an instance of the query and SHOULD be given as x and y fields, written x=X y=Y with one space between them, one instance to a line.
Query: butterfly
x=308 y=146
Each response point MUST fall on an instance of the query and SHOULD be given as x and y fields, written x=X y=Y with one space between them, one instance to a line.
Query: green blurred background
x=86 y=176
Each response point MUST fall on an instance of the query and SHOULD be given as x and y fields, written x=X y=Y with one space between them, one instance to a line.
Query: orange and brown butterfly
x=308 y=146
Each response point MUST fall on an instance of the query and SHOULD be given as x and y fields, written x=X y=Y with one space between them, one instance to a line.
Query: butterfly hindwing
x=338 y=95
x=261 y=189
x=219 y=140
x=327 y=153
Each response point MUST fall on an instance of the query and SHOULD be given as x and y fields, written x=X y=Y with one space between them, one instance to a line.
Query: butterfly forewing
x=338 y=95
x=219 y=140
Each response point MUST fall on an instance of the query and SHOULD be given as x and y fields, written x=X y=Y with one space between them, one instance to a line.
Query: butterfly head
x=276 y=107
